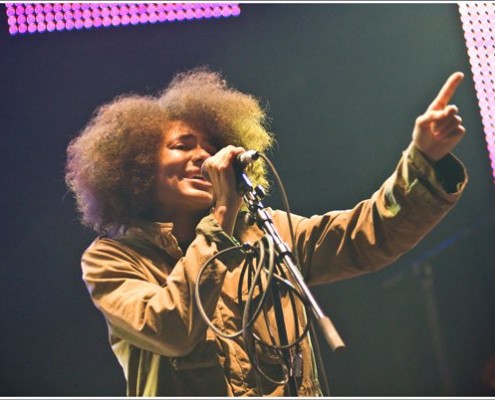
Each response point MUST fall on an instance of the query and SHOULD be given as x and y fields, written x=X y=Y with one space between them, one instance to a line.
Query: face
x=180 y=186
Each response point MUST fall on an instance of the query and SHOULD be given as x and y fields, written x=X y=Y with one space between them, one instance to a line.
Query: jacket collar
x=158 y=233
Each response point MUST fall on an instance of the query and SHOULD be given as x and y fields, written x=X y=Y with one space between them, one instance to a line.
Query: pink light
x=78 y=24
x=217 y=12
x=236 y=11
x=190 y=14
x=171 y=16
x=107 y=21
x=125 y=20
x=477 y=22
x=97 y=22
x=36 y=17
x=208 y=13
x=180 y=15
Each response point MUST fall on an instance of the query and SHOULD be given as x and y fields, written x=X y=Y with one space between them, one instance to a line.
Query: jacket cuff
x=446 y=178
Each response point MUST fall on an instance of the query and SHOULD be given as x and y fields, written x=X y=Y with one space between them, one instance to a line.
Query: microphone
x=244 y=159
x=240 y=162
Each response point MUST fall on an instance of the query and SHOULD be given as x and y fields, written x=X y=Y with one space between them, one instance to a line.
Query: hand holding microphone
x=241 y=161
x=221 y=171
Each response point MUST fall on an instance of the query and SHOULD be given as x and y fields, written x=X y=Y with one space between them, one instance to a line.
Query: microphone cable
x=260 y=258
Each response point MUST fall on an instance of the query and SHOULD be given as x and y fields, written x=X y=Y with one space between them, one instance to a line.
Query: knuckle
x=420 y=120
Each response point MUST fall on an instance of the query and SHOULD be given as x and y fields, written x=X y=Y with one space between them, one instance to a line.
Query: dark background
x=344 y=84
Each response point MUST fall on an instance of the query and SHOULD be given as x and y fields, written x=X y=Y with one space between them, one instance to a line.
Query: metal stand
x=425 y=272
x=252 y=197
x=423 y=269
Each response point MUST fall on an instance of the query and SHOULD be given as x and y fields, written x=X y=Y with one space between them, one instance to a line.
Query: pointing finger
x=447 y=91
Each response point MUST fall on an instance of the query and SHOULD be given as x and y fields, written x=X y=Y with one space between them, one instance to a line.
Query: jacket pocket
x=203 y=355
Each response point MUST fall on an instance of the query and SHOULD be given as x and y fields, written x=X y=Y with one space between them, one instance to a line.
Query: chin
x=204 y=202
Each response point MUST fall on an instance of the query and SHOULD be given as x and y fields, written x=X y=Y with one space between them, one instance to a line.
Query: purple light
x=126 y=20
x=78 y=24
x=208 y=13
x=50 y=17
x=97 y=22
x=96 y=13
x=477 y=22
x=153 y=18
x=180 y=15
x=171 y=16
x=134 y=19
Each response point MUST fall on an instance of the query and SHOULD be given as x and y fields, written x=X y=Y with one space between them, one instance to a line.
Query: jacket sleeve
x=342 y=244
x=163 y=318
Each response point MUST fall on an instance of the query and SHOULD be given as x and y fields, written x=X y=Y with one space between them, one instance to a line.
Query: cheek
x=170 y=166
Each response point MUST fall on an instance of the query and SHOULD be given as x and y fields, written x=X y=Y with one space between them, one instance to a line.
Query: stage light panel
x=478 y=23
x=49 y=17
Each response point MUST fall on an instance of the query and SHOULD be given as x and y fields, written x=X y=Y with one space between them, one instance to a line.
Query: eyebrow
x=185 y=136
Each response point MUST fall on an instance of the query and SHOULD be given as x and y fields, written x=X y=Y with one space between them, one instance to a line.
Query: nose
x=200 y=155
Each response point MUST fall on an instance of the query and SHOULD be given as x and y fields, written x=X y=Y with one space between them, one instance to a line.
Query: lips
x=198 y=180
x=195 y=176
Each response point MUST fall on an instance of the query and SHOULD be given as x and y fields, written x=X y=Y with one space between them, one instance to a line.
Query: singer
x=137 y=171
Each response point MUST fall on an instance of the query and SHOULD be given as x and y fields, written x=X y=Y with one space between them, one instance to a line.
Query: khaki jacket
x=144 y=284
